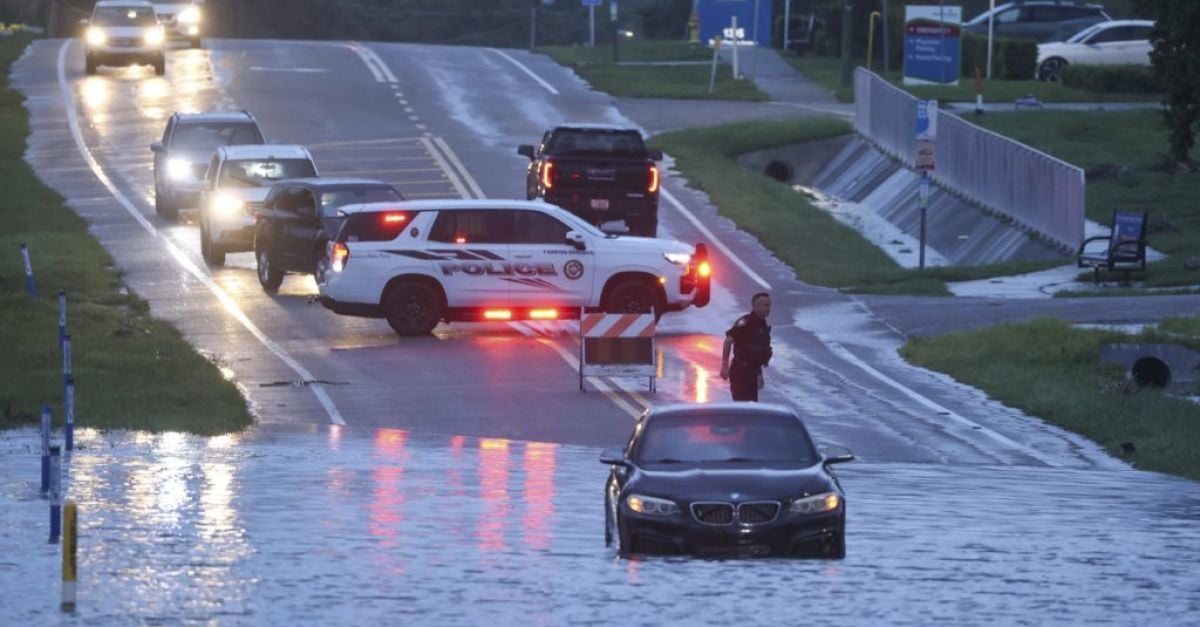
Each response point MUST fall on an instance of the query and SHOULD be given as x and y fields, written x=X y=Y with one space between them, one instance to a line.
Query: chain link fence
x=1039 y=192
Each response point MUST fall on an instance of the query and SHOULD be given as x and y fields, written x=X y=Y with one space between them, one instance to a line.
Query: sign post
x=926 y=131
x=591 y=5
x=932 y=45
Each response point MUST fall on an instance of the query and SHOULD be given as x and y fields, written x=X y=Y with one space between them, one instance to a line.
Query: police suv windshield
x=124 y=16
x=262 y=172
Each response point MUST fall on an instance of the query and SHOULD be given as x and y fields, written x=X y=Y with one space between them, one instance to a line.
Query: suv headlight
x=96 y=36
x=178 y=169
x=651 y=506
x=190 y=15
x=154 y=37
x=679 y=259
x=818 y=504
x=225 y=206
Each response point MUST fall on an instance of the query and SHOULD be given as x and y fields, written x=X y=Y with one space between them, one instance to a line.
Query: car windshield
x=1085 y=33
x=597 y=143
x=207 y=136
x=124 y=16
x=335 y=199
x=726 y=438
x=260 y=172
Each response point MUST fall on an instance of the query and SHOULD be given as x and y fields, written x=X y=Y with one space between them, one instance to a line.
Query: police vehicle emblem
x=573 y=269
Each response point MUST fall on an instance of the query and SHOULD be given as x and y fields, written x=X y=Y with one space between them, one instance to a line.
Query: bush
x=1113 y=78
x=1012 y=59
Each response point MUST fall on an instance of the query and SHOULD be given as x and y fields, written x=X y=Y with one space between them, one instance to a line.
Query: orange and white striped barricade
x=617 y=345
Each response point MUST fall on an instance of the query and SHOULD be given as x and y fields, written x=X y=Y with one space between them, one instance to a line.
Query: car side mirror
x=838 y=455
x=655 y=154
x=575 y=238
x=525 y=150
x=613 y=457
x=157 y=147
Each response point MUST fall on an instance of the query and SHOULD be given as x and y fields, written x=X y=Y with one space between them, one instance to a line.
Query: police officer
x=750 y=341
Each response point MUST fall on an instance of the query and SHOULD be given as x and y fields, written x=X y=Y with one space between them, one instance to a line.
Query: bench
x=1125 y=250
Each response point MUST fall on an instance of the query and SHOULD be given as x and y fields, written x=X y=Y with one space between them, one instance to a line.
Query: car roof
x=265 y=151
x=449 y=204
x=591 y=126
x=124 y=3
x=682 y=410
x=1115 y=23
x=338 y=181
x=215 y=116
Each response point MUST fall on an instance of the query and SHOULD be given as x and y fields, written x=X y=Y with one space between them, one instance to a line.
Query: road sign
x=926 y=126
x=925 y=159
x=932 y=44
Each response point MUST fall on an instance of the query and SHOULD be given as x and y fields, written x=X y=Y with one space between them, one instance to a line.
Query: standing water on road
x=338 y=526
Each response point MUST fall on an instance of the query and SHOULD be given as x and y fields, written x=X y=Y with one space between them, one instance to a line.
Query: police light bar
x=497 y=314
x=543 y=314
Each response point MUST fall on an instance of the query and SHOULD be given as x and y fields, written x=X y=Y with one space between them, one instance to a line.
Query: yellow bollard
x=68 y=556
x=871 y=37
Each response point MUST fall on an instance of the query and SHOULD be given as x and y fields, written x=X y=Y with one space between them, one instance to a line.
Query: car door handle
x=522 y=256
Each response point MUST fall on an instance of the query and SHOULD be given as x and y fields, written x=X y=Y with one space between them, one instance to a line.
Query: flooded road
x=343 y=526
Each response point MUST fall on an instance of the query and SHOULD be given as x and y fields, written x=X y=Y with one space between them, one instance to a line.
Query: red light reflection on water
x=386 y=509
x=493 y=487
x=538 y=494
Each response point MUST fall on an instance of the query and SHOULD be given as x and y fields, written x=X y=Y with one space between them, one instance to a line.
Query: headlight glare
x=190 y=15
x=651 y=506
x=178 y=170
x=817 y=504
x=96 y=36
x=679 y=259
x=225 y=206
x=154 y=37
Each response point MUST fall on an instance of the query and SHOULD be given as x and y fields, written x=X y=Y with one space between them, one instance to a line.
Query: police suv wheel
x=633 y=296
x=268 y=276
x=413 y=309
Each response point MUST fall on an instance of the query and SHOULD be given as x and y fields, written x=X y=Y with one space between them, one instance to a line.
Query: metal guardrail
x=1038 y=191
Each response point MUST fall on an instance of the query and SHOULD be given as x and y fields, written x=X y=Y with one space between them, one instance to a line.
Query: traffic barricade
x=617 y=345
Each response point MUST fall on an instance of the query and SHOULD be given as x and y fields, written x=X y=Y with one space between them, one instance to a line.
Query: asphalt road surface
x=445 y=122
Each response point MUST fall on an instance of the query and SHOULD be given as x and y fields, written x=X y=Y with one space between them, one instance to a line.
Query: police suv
x=422 y=262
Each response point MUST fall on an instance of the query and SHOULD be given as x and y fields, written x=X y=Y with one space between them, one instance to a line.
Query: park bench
x=1125 y=250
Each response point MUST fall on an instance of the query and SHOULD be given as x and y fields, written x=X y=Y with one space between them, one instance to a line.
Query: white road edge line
x=850 y=357
x=180 y=256
x=523 y=68
x=713 y=238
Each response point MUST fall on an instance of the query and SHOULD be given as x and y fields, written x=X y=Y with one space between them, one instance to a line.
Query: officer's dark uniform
x=751 y=351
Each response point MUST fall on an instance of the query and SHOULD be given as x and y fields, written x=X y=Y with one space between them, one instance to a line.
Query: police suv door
x=469 y=250
x=546 y=270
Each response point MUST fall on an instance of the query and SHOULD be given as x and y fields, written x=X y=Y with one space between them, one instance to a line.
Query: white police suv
x=422 y=262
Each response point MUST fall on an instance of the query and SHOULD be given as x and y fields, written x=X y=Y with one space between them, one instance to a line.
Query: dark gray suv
x=1040 y=20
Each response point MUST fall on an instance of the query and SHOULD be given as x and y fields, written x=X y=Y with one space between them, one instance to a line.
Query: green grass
x=595 y=65
x=131 y=370
x=1050 y=370
x=827 y=72
x=820 y=249
x=1137 y=142
x=1182 y=326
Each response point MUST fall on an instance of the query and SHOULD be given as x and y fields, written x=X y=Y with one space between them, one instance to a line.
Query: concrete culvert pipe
x=779 y=171
x=1151 y=371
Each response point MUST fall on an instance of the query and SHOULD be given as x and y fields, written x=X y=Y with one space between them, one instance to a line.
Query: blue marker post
x=45 y=449
x=62 y=317
x=55 y=494
x=30 y=287
x=70 y=430
x=66 y=349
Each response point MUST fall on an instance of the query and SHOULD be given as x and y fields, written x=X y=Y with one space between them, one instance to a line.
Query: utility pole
x=533 y=20
x=847 y=33
x=887 y=57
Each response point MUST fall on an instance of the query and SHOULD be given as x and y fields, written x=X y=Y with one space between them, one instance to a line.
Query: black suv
x=597 y=172
x=300 y=215
x=1040 y=20
x=181 y=157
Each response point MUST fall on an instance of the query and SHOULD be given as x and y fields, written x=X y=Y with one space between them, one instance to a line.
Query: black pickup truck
x=600 y=173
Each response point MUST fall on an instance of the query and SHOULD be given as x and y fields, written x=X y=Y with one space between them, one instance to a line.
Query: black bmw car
x=724 y=478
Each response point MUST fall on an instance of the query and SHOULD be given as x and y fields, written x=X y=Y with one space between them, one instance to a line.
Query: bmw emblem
x=573 y=269
x=735 y=496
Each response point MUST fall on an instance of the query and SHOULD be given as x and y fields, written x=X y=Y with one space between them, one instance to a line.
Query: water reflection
x=386 y=510
x=538 y=508
x=493 y=488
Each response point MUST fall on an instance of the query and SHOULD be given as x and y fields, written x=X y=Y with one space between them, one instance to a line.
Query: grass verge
x=1048 y=369
x=595 y=65
x=822 y=250
x=827 y=72
x=1133 y=144
x=131 y=370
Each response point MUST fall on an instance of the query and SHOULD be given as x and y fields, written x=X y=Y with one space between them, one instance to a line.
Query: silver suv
x=181 y=157
x=1040 y=20
x=124 y=32
x=236 y=183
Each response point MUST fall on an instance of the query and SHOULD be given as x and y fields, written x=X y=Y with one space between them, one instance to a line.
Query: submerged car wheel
x=413 y=308
x=835 y=547
x=268 y=276
x=90 y=66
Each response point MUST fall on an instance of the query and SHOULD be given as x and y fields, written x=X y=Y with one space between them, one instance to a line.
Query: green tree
x=1176 y=59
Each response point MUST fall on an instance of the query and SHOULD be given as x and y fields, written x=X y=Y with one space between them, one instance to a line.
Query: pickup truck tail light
x=548 y=174
x=698 y=277
x=339 y=256
x=652 y=186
